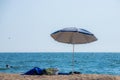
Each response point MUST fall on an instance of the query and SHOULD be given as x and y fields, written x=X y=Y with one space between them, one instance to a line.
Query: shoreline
x=9 y=76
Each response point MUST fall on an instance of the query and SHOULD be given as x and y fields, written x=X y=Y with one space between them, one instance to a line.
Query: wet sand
x=4 y=76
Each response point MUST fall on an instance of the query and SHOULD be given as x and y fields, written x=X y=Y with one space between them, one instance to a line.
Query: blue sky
x=26 y=25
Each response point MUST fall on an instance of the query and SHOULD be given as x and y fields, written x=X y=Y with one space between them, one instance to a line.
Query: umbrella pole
x=73 y=60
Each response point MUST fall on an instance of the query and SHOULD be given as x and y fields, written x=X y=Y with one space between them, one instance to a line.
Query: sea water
x=84 y=62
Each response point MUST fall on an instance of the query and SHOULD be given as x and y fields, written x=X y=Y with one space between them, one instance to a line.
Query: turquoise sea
x=85 y=62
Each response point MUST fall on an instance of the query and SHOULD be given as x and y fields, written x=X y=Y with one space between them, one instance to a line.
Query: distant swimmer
x=8 y=66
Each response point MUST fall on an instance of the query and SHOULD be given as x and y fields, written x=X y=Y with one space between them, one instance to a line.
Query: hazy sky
x=26 y=25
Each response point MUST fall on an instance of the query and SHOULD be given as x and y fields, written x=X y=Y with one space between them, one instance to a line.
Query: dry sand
x=4 y=76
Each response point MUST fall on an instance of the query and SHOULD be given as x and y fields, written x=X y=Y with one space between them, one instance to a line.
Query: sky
x=26 y=25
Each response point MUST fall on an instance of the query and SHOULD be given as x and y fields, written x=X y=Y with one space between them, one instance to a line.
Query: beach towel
x=34 y=71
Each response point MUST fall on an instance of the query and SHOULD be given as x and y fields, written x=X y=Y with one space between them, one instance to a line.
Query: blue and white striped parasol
x=73 y=35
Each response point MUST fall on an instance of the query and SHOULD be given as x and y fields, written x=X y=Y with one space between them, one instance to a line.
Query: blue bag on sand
x=34 y=71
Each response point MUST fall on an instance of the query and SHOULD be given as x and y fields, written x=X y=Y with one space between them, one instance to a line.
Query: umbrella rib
x=71 y=38
x=86 y=38
x=57 y=38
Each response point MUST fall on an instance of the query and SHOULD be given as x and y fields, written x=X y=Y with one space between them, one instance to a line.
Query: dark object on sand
x=48 y=71
x=75 y=72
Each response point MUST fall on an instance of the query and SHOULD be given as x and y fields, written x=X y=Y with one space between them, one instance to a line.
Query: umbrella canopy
x=73 y=36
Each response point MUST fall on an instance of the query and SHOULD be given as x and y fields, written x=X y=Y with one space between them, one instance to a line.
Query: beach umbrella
x=73 y=35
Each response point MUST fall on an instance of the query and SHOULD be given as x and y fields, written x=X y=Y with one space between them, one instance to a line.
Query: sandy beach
x=4 y=76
